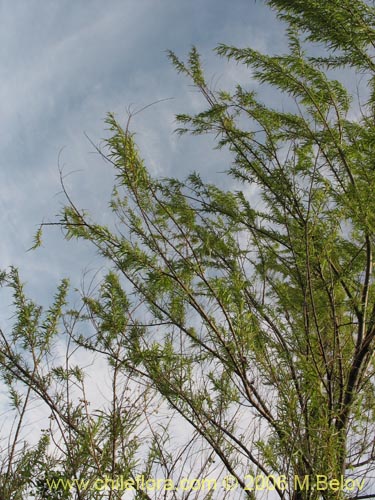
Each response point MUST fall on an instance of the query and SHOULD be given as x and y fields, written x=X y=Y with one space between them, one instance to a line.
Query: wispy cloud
x=63 y=66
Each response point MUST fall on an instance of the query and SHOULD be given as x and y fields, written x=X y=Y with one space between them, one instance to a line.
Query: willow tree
x=251 y=311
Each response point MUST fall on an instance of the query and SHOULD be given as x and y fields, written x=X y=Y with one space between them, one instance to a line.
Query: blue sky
x=63 y=66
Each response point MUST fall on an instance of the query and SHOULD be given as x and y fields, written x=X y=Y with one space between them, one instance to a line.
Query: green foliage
x=283 y=296
x=248 y=317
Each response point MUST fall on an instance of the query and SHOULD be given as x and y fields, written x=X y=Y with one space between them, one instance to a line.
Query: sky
x=64 y=65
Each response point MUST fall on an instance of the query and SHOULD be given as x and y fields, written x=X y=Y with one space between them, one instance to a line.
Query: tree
x=251 y=319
